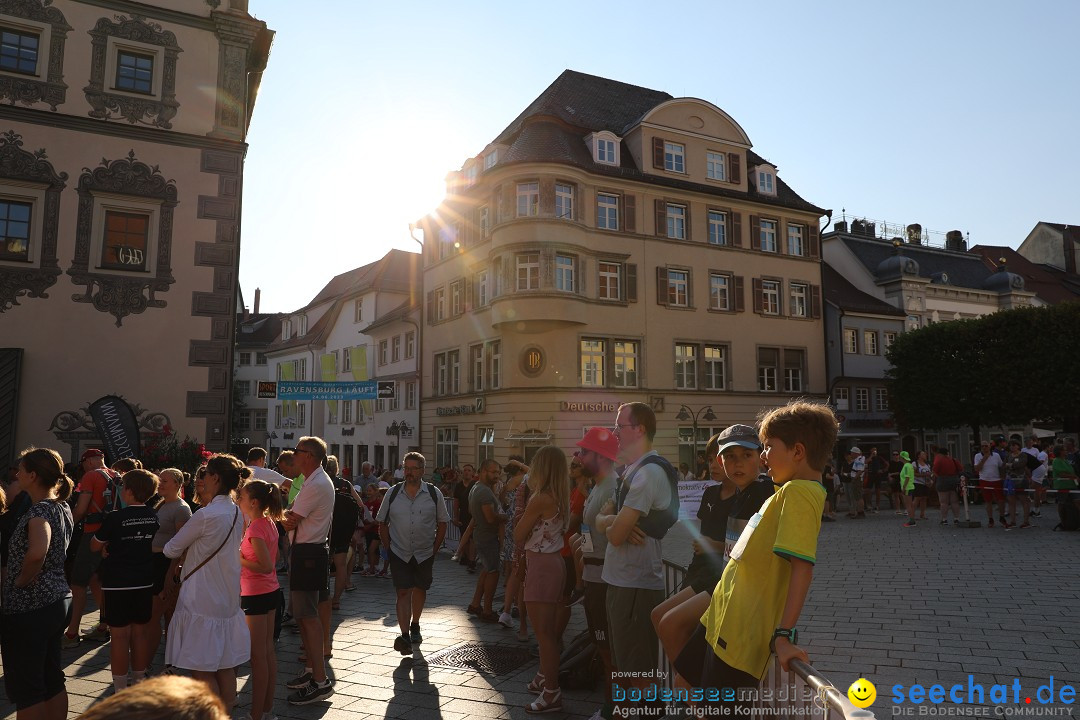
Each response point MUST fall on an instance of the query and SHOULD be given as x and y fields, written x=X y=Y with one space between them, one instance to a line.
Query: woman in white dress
x=208 y=634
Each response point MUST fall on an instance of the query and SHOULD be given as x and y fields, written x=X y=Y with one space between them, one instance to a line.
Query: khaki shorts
x=630 y=629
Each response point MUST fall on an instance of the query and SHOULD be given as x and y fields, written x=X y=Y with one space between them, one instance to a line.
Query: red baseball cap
x=601 y=441
x=92 y=452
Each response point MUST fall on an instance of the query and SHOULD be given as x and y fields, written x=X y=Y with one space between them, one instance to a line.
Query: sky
x=958 y=115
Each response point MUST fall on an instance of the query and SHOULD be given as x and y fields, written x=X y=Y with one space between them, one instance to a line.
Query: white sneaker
x=506 y=621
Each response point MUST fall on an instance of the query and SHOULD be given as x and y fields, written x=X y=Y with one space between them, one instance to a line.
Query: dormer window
x=605 y=151
x=301 y=325
x=491 y=158
x=766 y=182
x=470 y=175
x=286 y=329
x=604 y=147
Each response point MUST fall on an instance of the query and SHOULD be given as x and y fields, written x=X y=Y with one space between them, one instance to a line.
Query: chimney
x=258 y=296
x=841 y=226
x=954 y=241
x=914 y=234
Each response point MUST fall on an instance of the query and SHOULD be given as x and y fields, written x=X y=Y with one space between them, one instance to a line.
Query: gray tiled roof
x=841 y=293
x=964 y=269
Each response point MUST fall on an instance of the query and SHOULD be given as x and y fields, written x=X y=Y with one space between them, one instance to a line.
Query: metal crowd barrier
x=453 y=532
x=801 y=691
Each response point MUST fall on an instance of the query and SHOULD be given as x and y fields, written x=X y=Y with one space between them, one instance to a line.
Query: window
x=881 y=399
x=674 y=155
x=719 y=291
x=395 y=402
x=768 y=236
x=485 y=444
x=490 y=159
x=497 y=275
x=795 y=240
x=483 y=289
x=125 y=241
x=380 y=406
x=717 y=228
x=358 y=310
x=626 y=355
x=301 y=414
x=676 y=222
x=346 y=360
x=564 y=273
x=678 y=288
x=410 y=396
x=395 y=348
x=794 y=362
x=564 y=201
x=528 y=271
x=715 y=367
x=485 y=221
x=18 y=51
x=243 y=388
x=476 y=363
x=457 y=298
x=528 y=199
x=869 y=338
x=770 y=297
x=286 y=330
x=605 y=151
x=608 y=285
x=260 y=358
x=410 y=344
x=440 y=304
x=715 y=166
x=382 y=352
x=470 y=175
x=890 y=338
x=245 y=358
x=840 y=397
x=765 y=182
x=331 y=415
x=592 y=362
x=607 y=212
x=243 y=421
x=851 y=341
x=494 y=356
x=446 y=447
x=301 y=325
x=862 y=400
x=453 y=363
x=346 y=412
x=768 y=365
x=797 y=304
x=15 y=229
x=438 y=378
x=685 y=367
x=260 y=419
x=134 y=72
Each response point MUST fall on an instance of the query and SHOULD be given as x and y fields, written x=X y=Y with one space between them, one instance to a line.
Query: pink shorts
x=545 y=577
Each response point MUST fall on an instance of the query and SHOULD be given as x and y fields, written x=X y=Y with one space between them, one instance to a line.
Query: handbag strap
x=210 y=557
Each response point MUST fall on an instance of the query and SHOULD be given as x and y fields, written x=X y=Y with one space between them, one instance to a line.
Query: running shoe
x=312 y=692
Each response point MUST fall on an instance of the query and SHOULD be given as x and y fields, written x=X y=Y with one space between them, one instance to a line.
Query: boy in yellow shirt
x=756 y=605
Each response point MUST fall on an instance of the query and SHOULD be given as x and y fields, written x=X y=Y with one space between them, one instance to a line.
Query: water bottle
x=108 y=498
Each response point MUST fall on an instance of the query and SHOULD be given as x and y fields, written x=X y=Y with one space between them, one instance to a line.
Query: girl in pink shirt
x=260 y=595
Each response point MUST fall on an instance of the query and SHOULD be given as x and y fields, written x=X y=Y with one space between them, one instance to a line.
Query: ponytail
x=49 y=468
x=268 y=496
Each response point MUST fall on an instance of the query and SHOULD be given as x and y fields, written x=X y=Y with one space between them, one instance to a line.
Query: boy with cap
x=756 y=605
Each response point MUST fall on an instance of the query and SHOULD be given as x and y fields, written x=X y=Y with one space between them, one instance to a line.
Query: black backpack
x=397 y=488
x=657 y=522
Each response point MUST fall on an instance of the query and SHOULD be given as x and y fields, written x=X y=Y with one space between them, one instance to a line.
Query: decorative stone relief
x=18 y=164
x=29 y=90
x=158 y=111
x=118 y=294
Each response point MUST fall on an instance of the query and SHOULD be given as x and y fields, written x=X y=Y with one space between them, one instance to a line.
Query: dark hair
x=229 y=469
x=49 y=468
x=642 y=415
x=415 y=457
x=800 y=421
x=712 y=448
x=255 y=454
x=179 y=698
x=488 y=461
x=127 y=464
x=142 y=484
x=267 y=495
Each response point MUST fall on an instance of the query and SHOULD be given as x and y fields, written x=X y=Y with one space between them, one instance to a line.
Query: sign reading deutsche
x=307 y=390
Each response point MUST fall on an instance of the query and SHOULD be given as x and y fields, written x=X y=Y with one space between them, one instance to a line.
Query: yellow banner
x=288 y=408
x=329 y=372
x=358 y=359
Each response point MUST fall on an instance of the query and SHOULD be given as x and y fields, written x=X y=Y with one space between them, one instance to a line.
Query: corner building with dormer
x=615 y=244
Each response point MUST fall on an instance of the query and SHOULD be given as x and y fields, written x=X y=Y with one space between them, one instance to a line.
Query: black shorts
x=571 y=576
x=692 y=657
x=371 y=537
x=411 y=574
x=120 y=608
x=33 y=670
x=340 y=540
x=261 y=604
x=595 y=605
x=920 y=491
x=161 y=570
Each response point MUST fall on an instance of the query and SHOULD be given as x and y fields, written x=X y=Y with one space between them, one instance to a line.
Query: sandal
x=536 y=684
x=543 y=705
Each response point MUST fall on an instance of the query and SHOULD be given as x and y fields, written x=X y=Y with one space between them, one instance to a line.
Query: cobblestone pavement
x=926 y=605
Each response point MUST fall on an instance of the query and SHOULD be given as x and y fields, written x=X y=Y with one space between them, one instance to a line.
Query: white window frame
x=625 y=356
x=493 y=353
x=395 y=348
x=346 y=359
x=794 y=375
x=410 y=396
x=798 y=300
x=768 y=375
x=259 y=418
x=485 y=443
x=446 y=446
x=717 y=223
x=384 y=346
x=476 y=363
x=889 y=339
x=483 y=288
x=453 y=365
x=530 y=264
x=410 y=344
x=870 y=342
x=674 y=157
x=260 y=358
x=716 y=166
x=528 y=199
x=457 y=298
x=607 y=211
x=43 y=32
x=851 y=341
x=841 y=398
x=346 y=412
x=440 y=304
x=862 y=399
x=881 y=399
x=796 y=241
x=439 y=376
x=767 y=235
x=715 y=359
x=358 y=310
x=675 y=221
x=770 y=297
x=564 y=201
x=766 y=183
x=592 y=357
x=565 y=279
x=720 y=297
x=485 y=221
x=678 y=290
x=685 y=366
x=245 y=357
x=491 y=159
x=610 y=278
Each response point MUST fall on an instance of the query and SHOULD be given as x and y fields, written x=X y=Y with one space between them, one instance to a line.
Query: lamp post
x=687 y=413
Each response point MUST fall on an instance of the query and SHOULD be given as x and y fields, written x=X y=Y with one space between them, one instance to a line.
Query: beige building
x=615 y=244
x=122 y=129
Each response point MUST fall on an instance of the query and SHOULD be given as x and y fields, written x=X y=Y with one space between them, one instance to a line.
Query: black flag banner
x=117 y=426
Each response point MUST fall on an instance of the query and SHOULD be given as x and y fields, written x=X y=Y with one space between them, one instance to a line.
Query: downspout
x=419 y=345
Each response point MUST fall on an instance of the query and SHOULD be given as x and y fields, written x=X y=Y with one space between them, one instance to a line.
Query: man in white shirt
x=1038 y=475
x=256 y=460
x=991 y=481
x=309 y=583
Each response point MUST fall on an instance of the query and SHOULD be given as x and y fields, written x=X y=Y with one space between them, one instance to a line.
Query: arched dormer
x=605 y=147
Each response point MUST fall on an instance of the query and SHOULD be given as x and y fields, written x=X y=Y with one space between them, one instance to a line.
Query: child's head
x=800 y=422
x=264 y=497
x=141 y=484
x=740 y=452
x=712 y=452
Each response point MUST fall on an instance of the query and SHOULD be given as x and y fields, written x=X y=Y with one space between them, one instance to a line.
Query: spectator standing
x=487 y=517
x=991 y=469
x=877 y=475
x=923 y=481
x=947 y=471
x=907 y=487
x=1038 y=475
x=96 y=489
x=1016 y=485
x=895 y=496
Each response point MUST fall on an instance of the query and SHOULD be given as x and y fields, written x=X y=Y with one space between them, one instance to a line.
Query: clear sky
x=954 y=114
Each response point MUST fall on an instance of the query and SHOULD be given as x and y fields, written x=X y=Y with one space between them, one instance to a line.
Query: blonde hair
x=548 y=473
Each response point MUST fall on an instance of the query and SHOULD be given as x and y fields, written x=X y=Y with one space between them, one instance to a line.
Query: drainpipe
x=419 y=344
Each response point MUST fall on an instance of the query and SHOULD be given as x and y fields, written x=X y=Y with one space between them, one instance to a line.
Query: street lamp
x=687 y=413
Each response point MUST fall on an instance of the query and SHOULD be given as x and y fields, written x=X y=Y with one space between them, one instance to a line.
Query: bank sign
x=307 y=390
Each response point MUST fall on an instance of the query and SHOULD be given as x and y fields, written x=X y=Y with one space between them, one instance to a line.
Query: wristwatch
x=790 y=633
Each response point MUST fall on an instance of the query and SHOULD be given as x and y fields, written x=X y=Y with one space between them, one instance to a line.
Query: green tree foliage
x=1008 y=368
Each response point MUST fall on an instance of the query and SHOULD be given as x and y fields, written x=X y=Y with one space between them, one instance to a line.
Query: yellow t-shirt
x=749 y=600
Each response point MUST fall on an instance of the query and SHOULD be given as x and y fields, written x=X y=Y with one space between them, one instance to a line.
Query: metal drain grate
x=486 y=658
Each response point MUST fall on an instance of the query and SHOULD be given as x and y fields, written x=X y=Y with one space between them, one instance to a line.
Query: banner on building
x=117 y=428
x=309 y=390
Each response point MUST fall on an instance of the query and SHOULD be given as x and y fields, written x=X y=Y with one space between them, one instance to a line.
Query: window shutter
x=431 y=307
x=736 y=229
x=815 y=301
x=579 y=275
x=658 y=152
x=689 y=288
x=755 y=232
x=475 y=291
x=756 y=291
x=628 y=222
x=630 y=286
x=661 y=217
x=547 y=268
x=547 y=198
x=468 y=294
x=813 y=241
x=734 y=168
x=740 y=304
x=509 y=202
x=688 y=223
x=661 y=286
x=780 y=298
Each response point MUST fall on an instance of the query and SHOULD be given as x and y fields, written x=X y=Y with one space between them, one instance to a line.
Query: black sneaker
x=415 y=638
x=299 y=681
x=402 y=645
x=312 y=692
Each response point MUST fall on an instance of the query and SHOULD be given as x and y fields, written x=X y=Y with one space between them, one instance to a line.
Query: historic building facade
x=122 y=139
x=615 y=244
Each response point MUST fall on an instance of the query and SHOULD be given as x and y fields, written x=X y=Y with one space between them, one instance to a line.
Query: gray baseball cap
x=740 y=435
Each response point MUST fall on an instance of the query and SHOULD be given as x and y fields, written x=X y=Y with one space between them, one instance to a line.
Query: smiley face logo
x=862 y=693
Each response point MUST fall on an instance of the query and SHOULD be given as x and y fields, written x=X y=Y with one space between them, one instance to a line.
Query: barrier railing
x=453 y=532
x=802 y=690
